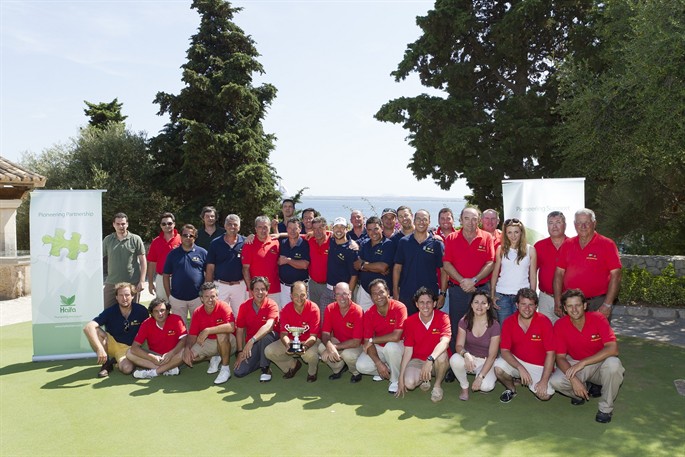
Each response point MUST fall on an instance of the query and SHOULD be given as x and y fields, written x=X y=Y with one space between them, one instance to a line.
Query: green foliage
x=111 y=158
x=494 y=119
x=639 y=286
x=214 y=150
x=623 y=109
x=101 y=114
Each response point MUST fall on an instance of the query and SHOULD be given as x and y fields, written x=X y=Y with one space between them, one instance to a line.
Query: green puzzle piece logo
x=73 y=246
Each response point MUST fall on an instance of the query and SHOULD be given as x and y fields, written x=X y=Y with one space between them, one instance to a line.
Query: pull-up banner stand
x=66 y=270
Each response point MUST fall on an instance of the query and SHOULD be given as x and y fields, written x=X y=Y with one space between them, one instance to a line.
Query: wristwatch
x=430 y=358
x=371 y=340
x=443 y=293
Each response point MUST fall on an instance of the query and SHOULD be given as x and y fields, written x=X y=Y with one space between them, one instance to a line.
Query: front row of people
x=382 y=342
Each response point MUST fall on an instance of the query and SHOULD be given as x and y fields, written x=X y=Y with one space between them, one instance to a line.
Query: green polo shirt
x=122 y=258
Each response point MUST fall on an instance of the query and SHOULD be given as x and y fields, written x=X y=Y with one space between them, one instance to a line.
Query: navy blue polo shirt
x=116 y=325
x=419 y=267
x=359 y=239
x=384 y=251
x=340 y=262
x=227 y=261
x=300 y=251
x=187 y=270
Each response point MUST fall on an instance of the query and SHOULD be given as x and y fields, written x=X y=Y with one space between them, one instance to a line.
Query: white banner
x=66 y=270
x=531 y=200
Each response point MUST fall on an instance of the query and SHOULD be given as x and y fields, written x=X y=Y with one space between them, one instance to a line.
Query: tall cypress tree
x=214 y=150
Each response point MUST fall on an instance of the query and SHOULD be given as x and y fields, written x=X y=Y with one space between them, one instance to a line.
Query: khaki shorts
x=116 y=349
x=210 y=348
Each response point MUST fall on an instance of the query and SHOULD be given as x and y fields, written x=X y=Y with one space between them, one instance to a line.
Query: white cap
x=340 y=221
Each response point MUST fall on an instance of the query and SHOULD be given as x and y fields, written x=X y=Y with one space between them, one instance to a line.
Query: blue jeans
x=507 y=306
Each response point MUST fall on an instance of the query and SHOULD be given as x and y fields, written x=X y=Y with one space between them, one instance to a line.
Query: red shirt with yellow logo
x=584 y=343
x=377 y=325
x=345 y=327
x=161 y=340
x=424 y=339
x=530 y=346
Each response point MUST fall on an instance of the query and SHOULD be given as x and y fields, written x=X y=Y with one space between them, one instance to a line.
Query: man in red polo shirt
x=490 y=220
x=298 y=313
x=342 y=334
x=586 y=351
x=211 y=334
x=527 y=349
x=319 y=245
x=548 y=257
x=426 y=337
x=164 y=333
x=383 y=328
x=260 y=258
x=468 y=261
x=589 y=262
x=160 y=247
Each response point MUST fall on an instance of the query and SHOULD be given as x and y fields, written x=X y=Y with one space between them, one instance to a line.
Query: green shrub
x=640 y=287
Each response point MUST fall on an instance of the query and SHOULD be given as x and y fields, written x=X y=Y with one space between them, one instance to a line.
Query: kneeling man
x=382 y=345
x=300 y=312
x=426 y=337
x=211 y=334
x=164 y=333
x=342 y=333
x=527 y=349
x=586 y=351
x=121 y=326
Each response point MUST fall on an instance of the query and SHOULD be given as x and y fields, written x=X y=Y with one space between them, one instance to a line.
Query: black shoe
x=603 y=418
x=106 y=368
x=449 y=376
x=594 y=390
x=507 y=396
x=356 y=378
x=339 y=373
x=577 y=401
x=311 y=378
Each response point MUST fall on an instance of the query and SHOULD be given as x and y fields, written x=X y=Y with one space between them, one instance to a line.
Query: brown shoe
x=106 y=368
x=311 y=378
x=293 y=371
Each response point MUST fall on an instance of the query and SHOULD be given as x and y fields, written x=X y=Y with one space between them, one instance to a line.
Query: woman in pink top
x=477 y=346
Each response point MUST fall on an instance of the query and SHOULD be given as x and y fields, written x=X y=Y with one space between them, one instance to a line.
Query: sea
x=332 y=207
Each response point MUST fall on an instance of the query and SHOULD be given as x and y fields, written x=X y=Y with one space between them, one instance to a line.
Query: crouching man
x=164 y=333
x=211 y=334
x=586 y=351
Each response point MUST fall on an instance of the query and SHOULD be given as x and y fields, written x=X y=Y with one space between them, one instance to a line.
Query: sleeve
x=273 y=310
x=490 y=249
x=358 y=331
x=241 y=320
x=496 y=329
x=140 y=247
x=613 y=260
x=548 y=338
x=446 y=327
x=305 y=251
x=153 y=252
x=327 y=320
x=439 y=253
x=563 y=252
x=228 y=313
x=605 y=330
x=560 y=341
x=169 y=263
x=143 y=331
x=211 y=254
x=246 y=256
x=399 y=252
x=505 y=341
x=401 y=317
x=350 y=257
x=102 y=318
x=388 y=252
x=462 y=324
x=315 y=321
x=181 y=327
x=409 y=339
x=367 y=325
x=194 y=324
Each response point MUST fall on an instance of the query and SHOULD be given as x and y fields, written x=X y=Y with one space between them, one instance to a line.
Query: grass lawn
x=60 y=408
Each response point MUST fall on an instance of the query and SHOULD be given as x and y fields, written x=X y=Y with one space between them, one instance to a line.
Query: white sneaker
x=393 y=387
x=377 y=378
x=172 y=372
x=265 y=376
x=425 y=386
x=144 y=374
x=214 y=363
x=224 y=374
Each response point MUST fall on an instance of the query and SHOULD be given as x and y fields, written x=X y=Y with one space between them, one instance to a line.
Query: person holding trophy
x=299 y=335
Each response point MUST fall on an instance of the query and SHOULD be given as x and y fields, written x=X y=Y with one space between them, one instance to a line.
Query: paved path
x=671 y=331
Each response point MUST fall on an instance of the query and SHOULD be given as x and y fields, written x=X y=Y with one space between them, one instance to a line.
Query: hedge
x=640 y=287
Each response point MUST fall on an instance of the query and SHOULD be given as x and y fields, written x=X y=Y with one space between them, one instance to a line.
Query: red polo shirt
x=531 y=346
x=588 y=269
x=423 y=339
x=161 y=340
x=252 y=320
x=377 y=325
x=467 y=258
x=548 y=256
x=345 y=327
x=310 y=316
x=159 y=248
x=584 y=343
x=221 y=314
x=318 y=259
x=262 y=257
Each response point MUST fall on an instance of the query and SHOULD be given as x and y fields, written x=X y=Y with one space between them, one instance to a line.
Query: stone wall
x=15 y=278
x=654 y=263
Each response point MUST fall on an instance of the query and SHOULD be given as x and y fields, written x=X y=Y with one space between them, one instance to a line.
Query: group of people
x=391 y=297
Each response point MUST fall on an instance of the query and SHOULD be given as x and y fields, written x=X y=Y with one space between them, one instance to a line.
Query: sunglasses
x=188 y=235
x=166 y=223
x=512 y=221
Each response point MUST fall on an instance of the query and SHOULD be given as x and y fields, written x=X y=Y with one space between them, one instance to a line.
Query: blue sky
x=329 y=60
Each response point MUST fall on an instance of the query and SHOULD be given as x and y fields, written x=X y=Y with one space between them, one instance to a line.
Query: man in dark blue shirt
x=225 y=266
x=293 y=261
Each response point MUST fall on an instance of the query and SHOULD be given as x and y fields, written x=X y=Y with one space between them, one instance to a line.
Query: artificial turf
x=60 y=408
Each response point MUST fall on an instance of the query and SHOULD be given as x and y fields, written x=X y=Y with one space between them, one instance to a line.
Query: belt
x=596 y=296
x=290 y=285
x=230 y=283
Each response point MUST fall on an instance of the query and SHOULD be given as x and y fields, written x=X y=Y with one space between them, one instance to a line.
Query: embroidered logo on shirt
x=435 y=331
x=392 y=321
x=481 y=247
x=596 y=337
x=196 y=259
x=591 y=256
x=349 y=324
x=428 y=249
x=341 y=256
x=535 y=337
x=171 y=332
x=379 y=251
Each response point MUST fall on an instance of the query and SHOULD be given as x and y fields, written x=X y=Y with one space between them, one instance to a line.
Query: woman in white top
x=515 y=268
x=477 y=346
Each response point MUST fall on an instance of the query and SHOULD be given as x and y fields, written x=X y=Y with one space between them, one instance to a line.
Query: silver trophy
x=296 y=344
